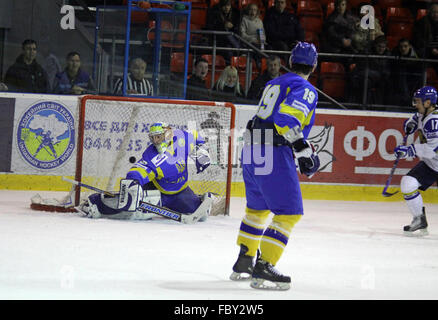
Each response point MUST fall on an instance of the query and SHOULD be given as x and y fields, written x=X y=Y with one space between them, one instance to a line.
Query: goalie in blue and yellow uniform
x=279 y=130
x=160 y=177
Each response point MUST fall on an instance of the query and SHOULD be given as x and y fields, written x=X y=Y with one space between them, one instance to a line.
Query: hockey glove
x=410 y=125
x=201 y=158
x=403 y=152
x=308 y=160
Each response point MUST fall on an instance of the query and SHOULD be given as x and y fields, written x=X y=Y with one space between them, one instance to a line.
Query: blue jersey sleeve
x=297 y=109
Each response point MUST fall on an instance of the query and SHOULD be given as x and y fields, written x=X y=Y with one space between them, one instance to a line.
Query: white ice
x=339 y=250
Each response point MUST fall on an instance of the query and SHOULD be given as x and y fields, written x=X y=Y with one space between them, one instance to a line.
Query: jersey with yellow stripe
x=167 y=171
x=288 y=101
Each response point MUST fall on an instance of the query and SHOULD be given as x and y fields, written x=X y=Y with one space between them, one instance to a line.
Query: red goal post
x=113 y=130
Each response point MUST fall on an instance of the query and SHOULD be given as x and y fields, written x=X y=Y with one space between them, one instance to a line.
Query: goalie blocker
x=134 y=203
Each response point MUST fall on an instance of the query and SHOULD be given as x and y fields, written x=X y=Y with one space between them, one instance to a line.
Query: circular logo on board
x=46 y=135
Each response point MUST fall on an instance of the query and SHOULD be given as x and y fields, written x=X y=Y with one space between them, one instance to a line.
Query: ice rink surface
x=339 y=250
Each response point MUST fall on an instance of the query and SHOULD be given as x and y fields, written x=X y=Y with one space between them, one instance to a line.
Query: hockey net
x=113 y=134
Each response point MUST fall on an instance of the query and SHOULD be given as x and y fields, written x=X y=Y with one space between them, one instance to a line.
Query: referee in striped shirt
x=136 y=82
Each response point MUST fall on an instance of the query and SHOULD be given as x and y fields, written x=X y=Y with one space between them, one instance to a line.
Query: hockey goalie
x=159 y=178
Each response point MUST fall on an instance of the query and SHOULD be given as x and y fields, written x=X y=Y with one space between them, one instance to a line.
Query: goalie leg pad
x=101 y=205
x=184 y=202
x=131 y=193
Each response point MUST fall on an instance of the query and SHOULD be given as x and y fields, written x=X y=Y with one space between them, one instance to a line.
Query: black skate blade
x=388 y=194
x=262 y=284
x=237 y=276
x=417 y=233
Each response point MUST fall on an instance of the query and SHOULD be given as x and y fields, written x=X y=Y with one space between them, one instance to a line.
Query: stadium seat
x=400 y=30
x=312 y=37
x=356 y=3
x=165 y=36
x=214 y=2
x=137 y=16
x=385 y=4
x=394 y=14
x=421 y=13
x=240 y=63
x=177 y=62
x=311 y=23
x=220 y=62
x=199 y=14
x=309 y=8
x=332 y=78
x=432 y=78
x=392 y=41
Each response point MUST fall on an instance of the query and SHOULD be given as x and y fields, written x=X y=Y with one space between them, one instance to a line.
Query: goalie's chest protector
x=171 y=174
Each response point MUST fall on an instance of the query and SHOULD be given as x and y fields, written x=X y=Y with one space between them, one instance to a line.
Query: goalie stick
x=385 y=192
x=144 y=206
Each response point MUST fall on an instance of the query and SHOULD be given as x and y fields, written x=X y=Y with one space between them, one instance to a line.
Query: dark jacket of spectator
x=63 y=83
x=424 y=33
x=406 y=76
x=216 y=21
x=258 y=85
x=284 y=27
x=338 y=27
x=196 y=89
x=22 y=77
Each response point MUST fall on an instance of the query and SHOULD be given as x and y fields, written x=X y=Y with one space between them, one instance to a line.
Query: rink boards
x=355 y=148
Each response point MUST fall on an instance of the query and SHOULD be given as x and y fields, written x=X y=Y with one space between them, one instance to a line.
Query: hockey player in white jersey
x=425 y=173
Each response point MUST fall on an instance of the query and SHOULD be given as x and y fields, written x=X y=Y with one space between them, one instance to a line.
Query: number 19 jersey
x=288 y=101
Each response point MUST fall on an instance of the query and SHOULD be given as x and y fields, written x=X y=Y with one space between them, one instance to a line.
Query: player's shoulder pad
x=430 y=127
x=305 y=93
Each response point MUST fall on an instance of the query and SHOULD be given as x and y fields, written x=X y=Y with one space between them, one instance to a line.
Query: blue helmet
x=427 y=93
x=304 y=53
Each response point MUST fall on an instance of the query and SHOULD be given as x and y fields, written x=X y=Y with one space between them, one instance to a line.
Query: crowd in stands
x=400 y=29
x=393 y=29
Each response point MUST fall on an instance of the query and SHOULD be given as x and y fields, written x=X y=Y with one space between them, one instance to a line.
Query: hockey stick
x=385 y=193
x=144 y=206
x=80 y=184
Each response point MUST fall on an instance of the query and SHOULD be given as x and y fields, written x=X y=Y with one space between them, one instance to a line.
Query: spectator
x=425 y=34
x=228 y=83
x=338 y=29
x=223 y=17
x=378 y=75
x=73 y=80
x=362 y=38
x=26 y=74
x=406 y=75
x=272 y=71
x=283 y=29
x=136 y=83
x=251 y=25
x=196 y=84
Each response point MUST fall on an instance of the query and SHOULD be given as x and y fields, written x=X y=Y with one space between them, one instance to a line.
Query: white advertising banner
x=45 y=134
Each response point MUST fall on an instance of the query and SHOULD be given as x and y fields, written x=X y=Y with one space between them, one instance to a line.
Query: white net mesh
x=116 y=132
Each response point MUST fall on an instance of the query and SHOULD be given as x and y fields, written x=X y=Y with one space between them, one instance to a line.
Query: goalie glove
x=201 y=158
x=131 y=193
x=403 y=152
x=308 y=160
x=411 y=125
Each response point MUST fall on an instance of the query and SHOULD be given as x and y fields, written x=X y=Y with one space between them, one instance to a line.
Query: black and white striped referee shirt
x=143 y=86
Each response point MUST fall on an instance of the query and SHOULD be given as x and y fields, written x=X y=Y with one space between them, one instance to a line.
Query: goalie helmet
x=304 y=53
x=427 y=93
x=160 y=135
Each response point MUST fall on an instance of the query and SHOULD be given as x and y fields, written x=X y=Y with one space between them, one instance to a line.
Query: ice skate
x=242 y=269
x=418 y=226
x=265 y=276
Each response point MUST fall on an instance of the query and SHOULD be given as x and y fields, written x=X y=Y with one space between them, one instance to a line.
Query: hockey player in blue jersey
x=160 y=177
x=425 y=173
x=280 y=129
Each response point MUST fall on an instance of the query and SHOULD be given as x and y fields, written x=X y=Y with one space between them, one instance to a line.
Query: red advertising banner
x=357 y=147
